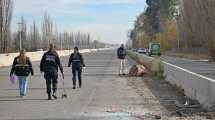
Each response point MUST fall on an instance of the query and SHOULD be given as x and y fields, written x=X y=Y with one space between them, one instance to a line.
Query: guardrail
x=196 y=86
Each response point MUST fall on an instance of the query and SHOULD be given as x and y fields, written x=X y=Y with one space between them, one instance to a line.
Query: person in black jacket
x=77 y=61
x=121 y=53
x=49 y=65
x=22 y=67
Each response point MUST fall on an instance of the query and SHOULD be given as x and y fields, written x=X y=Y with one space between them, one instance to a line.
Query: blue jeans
x=22 y=85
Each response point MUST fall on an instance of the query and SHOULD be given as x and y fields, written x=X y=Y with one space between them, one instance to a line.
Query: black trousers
x=51 y=81
x=76 y=70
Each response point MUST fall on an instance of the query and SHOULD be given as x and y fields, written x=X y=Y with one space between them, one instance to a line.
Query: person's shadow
x=23 y=99
x=17 y=98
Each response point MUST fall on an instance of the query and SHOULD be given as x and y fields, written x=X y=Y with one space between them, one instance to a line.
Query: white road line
x=186 y=70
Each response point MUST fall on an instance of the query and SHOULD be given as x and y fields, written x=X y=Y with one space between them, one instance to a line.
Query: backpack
x=121 y=52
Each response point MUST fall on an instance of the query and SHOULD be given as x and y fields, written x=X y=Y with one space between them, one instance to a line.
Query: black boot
x=49 y=97
x=54 y=95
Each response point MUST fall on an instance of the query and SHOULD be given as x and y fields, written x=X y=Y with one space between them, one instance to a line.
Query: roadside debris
x=146 y=116
x=173 y=99
x=189 y=108
x=151 y=116
x=137 y=71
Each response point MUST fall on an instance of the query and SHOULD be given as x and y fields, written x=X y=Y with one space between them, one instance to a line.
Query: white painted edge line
x=188 y=71
x=185 y=70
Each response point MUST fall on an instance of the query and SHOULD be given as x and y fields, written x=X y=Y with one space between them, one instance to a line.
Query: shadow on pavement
x=31 y=89
x=49 y=119
x=100 y=74
x=44 y=89
x=2 y=97
x=12 y=100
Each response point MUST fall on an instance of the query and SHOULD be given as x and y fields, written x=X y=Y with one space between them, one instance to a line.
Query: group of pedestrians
x=49 y=65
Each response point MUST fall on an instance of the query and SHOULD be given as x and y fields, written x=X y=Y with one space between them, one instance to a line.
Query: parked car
x=134 y=49
x=154 y=49
x=141 y=50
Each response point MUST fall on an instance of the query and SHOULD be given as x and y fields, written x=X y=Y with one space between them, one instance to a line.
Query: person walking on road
x=77 y=61
x=121 y=53
x=22 y=67
x=49 y=65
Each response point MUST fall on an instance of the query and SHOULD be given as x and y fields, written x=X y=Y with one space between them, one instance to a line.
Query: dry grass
x=155 y=67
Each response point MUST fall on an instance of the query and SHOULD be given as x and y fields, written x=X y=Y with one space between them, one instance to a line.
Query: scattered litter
x=157 y=117
x=143 y=116
x=113 y=109
x=188 y=108
x=151 y=115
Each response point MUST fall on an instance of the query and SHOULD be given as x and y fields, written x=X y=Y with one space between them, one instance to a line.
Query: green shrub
x=155 y=66
x=157 y=69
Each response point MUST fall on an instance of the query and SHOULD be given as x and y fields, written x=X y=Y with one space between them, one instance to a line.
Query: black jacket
x=76 y=60
x=121 y=53
x=50 y=62
x=22 y=69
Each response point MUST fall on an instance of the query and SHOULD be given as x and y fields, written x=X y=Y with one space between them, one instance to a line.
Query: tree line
x=33 y=37
x=6 y=11
x=184 y=26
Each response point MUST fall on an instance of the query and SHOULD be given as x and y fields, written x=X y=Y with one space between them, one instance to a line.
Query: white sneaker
x=22 y=96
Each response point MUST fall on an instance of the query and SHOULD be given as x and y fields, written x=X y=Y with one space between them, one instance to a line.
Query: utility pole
x=20 y=28
x=60 y=41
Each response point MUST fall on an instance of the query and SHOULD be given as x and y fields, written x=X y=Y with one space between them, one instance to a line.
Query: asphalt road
x=201 y=67
x=104 y=95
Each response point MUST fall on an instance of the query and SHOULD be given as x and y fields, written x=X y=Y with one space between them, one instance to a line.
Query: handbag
x=12 y=79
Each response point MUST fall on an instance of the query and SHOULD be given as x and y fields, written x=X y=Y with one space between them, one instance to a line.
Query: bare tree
x=196 y=26
x=35 y=37
x=72 y=42
x=6 y=10
x=88 y=40
x=47 y=30
x=24 y=36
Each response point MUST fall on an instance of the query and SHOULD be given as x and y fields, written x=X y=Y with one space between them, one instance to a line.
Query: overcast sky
x=108 y=20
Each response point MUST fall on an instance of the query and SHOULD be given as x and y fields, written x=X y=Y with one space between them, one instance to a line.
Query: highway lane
x=201 y=67
x=104 y=95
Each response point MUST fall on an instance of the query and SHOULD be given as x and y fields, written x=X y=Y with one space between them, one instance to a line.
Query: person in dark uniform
x=49 y=65
x=77 y=61
x=121 y=53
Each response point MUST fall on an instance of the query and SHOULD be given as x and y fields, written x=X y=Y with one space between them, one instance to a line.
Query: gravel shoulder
x=160 y=94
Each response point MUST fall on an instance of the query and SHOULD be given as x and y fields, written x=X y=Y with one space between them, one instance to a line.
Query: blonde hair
x=22 y=56
x=51 y=47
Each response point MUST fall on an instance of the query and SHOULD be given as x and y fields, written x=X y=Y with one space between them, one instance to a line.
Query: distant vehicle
x=141 y=50
x=134 y=49
x=154 y=49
